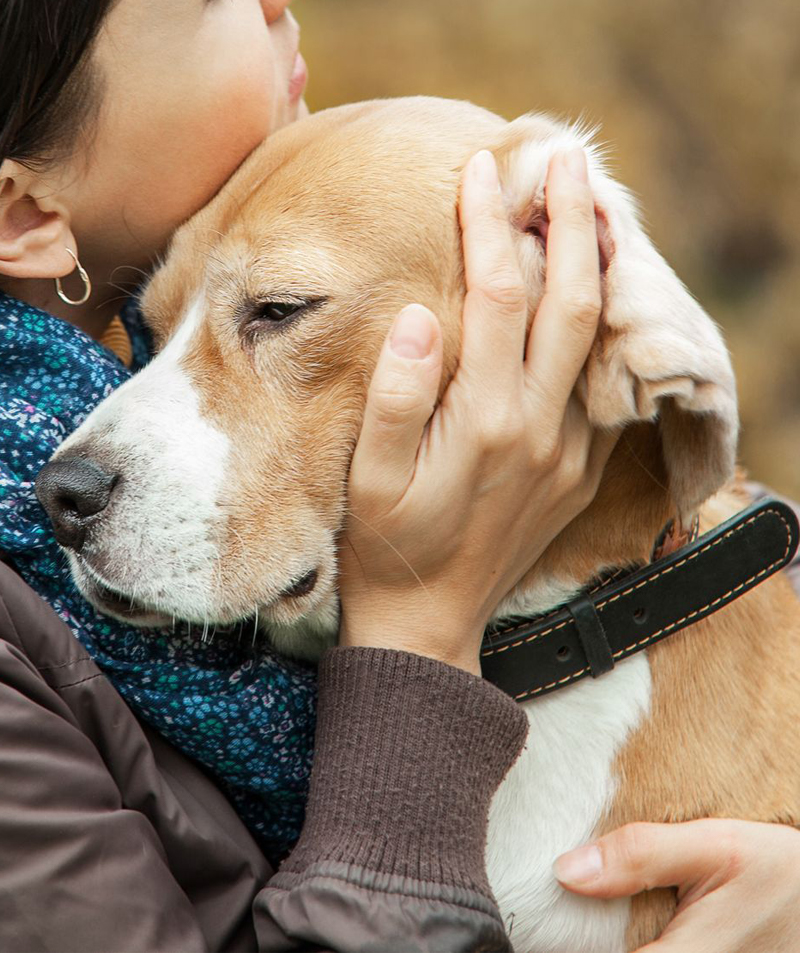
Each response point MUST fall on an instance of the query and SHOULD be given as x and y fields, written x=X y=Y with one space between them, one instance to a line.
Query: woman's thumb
x=642 y=856
x=401 y=399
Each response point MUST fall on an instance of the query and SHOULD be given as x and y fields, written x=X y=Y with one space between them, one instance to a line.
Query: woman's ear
x=35 y=228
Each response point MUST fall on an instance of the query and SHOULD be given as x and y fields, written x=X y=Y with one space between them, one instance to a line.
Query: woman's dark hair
x=48 y=88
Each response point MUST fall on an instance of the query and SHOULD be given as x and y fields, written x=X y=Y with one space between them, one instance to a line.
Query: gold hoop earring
x=87 y=285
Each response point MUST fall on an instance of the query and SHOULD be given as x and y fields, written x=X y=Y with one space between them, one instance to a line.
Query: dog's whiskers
x=133 y=268
x=121 y=297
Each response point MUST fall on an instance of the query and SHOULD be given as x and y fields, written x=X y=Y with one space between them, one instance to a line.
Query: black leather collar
x=599 y=628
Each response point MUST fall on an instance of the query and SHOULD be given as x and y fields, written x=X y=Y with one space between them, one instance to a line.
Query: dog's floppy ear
x=658 y=355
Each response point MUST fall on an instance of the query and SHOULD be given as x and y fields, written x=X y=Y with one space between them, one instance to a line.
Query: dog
x=227 y=462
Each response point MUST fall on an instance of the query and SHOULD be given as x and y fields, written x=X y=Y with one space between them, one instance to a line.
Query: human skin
x=738 y=882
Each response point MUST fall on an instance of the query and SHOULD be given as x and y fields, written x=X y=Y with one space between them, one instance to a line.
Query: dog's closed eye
x=262 y=317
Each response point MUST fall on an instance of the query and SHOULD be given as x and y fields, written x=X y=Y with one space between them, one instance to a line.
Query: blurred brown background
x=700 y=103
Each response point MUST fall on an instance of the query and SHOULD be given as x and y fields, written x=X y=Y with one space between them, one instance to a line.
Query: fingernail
x=484 y=168
x=575 y=161
x=579 y=866
x=413 y=333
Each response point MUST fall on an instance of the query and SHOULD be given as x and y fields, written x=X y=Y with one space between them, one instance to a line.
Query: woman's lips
x=297 y=83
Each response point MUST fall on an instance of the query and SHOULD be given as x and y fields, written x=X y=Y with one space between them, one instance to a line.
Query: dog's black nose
x=72 y=491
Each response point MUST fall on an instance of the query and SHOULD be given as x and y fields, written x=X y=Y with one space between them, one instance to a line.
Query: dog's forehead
x=349 y=169
x=337 y=195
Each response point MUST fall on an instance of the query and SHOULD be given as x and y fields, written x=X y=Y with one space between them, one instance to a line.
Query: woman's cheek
x=171 y=156
x=216 y=141
x=243 y=110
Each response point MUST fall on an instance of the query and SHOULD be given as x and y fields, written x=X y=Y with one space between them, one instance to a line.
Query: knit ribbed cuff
x=409 y=752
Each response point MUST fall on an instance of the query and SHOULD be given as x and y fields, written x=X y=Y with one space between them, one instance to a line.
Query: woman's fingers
x=643 y=856
x=401 y=399
x=738 y=883
x=566 y=322
x=496 y=306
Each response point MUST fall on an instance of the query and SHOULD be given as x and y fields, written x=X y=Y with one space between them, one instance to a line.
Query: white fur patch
x=173 y=463
x=552 y=801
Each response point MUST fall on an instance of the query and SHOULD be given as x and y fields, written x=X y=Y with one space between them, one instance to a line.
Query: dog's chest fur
x=552 y=801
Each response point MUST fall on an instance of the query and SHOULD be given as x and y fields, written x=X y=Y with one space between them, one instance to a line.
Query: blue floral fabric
x=243 y=713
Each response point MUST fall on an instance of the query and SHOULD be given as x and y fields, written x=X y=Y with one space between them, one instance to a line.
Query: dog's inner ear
x=536 y=223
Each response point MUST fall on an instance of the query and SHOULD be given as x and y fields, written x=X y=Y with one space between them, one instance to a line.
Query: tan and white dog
x=230 y=451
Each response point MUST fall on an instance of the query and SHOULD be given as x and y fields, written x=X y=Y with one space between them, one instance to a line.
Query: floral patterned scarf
x=243 y=713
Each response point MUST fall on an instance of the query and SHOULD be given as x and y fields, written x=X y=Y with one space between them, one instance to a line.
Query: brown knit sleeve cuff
x=409 y=752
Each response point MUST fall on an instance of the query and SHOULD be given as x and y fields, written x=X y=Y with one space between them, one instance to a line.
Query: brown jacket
x=112 y=840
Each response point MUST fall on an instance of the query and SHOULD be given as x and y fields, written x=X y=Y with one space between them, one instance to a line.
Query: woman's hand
x=449 y=509
x=738 y=882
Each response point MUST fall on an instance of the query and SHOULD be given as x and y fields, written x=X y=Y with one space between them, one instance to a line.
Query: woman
x=120 y=120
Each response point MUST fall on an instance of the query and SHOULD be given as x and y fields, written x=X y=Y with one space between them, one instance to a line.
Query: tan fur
x=722 y=740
